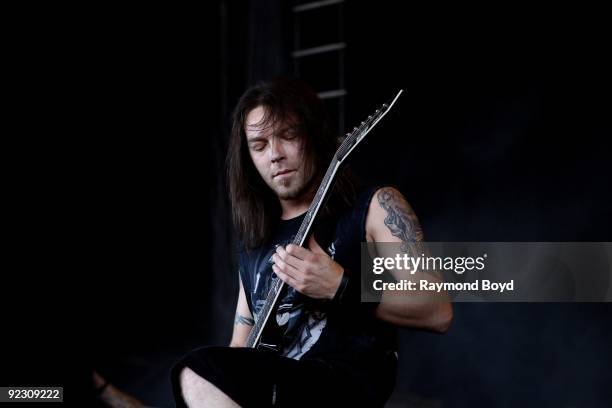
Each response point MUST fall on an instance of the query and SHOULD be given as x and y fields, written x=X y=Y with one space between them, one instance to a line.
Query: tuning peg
x=385 y=106
x=370 y=117
x=355 y=128
x=348 y=134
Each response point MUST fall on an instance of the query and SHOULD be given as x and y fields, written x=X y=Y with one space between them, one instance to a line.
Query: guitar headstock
x=359 y=132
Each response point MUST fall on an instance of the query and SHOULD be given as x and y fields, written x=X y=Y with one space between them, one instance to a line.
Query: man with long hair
x=339 y=350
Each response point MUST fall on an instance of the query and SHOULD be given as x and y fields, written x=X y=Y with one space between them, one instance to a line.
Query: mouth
x=282 y=173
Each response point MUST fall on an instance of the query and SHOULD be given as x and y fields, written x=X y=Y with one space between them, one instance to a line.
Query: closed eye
x=290 y=133
x=258 y=147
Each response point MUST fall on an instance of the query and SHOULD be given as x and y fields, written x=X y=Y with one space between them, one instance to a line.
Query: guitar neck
x=299 y=239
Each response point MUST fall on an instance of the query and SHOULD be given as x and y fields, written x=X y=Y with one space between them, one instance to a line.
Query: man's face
x=277 y=152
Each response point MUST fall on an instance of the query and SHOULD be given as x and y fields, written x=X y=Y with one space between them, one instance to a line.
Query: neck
x=294 y=207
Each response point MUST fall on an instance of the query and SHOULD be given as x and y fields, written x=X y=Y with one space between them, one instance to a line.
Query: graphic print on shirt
x=310 y=328
x=303 y=325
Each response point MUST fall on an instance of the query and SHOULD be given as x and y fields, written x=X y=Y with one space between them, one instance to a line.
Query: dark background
x=123 y=241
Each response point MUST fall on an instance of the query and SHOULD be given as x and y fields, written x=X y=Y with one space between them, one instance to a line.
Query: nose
x=277 y=152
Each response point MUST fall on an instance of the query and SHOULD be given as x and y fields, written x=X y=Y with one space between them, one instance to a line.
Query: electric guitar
x=259 y=338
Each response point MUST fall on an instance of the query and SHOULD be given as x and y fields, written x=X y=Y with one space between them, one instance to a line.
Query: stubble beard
x=293 y=188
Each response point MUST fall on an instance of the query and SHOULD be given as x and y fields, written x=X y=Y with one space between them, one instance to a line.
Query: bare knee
x=189 y=379
x=192 y=386
x=198 y=392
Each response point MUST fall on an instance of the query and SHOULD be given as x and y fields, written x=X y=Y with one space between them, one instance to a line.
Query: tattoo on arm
x=240 y=319
x=403 y=223
x=401 y=220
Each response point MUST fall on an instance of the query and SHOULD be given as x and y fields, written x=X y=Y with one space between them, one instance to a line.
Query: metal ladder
x=306 y=52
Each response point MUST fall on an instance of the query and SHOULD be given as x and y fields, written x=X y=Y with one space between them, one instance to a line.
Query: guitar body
x=271 y=339
x=272 y=336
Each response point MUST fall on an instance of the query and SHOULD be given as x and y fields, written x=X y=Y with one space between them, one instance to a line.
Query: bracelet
x=341 y=289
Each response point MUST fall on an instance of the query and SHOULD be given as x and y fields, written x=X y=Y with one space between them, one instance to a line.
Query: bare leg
x=199 y=393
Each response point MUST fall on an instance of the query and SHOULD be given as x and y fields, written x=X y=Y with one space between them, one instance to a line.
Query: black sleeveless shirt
x=346 y=332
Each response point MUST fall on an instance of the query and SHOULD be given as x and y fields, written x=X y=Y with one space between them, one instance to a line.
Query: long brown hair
x=255 y=207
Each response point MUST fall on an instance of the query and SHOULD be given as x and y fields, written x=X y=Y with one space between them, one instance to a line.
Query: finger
x=284 y=266
x=298 y=251
x=288 y=258
x=289 y=280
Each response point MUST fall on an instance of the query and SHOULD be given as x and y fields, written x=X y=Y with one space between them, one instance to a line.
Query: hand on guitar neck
x=310 y=271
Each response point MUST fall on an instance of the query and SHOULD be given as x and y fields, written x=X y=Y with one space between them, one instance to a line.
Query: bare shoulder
x=391 y=218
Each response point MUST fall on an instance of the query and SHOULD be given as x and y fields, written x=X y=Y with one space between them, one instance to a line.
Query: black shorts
x=258 y=379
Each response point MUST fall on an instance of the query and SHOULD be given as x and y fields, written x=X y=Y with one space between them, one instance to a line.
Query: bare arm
x=391 y=219
x=243 y=321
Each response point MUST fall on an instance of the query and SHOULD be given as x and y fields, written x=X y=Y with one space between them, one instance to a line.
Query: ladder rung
x=315 y=4
x=318 y=50
x=336 y=93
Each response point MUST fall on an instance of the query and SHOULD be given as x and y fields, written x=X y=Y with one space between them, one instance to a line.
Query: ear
x=314 y=246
